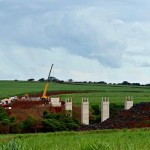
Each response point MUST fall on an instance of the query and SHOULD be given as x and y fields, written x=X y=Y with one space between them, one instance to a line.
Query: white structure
x=55 y=102
x=8 y=108
x=85 y=111
x=128 y=102
x=35 y=99
x=104 y=108
x=5 y=101
x=68 y=104
x=13 y=98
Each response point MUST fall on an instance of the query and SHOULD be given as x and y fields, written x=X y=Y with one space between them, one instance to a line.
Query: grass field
x=136 y=139
x=116 y=93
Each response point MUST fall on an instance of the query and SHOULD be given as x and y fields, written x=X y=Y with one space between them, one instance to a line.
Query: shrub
x=58 y=122
x=3 y=114
x=96 y=112
x=30 y=125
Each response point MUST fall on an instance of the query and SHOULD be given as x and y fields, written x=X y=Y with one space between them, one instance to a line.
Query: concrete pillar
x=128 y=102
x=68 y=104
x=85 y=111
x=104 y=108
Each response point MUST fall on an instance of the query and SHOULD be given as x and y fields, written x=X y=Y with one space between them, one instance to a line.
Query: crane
x=44 y=97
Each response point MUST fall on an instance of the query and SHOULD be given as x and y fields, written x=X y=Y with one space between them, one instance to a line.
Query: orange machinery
x=44 y=96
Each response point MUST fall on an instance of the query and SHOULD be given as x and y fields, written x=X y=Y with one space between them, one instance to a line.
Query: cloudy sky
x=92 y=40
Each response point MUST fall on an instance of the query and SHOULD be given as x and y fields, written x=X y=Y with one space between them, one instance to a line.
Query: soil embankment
x=136 y=117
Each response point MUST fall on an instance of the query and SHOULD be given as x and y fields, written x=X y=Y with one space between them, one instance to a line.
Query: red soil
x=22 y=109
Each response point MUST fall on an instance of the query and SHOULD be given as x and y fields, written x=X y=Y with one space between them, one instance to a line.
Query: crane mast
x=44 y=97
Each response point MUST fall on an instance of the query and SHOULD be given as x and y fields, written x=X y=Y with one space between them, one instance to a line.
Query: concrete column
x=85 y=111
x=128 y=102
x=68 y=104
x=104 y=108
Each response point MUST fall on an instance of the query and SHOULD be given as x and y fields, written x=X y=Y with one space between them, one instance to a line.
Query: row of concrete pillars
x=104 y=108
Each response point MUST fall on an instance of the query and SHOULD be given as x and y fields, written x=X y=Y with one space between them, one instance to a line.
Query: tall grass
x=137 y=139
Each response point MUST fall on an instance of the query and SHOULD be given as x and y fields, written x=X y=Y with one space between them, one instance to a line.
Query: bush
x=114 y=108
x=3 y=114
x=30 y=125
x=14 y=128
x=58 y=122
x=96 y=112
x=51 y=125
x=4 y=129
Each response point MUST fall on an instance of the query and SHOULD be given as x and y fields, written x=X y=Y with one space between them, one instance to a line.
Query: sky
x=86 y=40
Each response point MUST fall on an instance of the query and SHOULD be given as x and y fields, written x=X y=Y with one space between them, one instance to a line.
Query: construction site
x=22 y=107
x=132 y=116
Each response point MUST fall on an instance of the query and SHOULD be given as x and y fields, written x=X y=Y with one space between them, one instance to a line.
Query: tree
x=126 y=83
x=41 y=80
x=70 y=80
x=102 y=82
x=53 y=79
x=31 y=79
x=136 y=84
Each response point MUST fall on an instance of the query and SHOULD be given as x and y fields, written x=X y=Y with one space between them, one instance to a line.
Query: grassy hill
x=94 y=92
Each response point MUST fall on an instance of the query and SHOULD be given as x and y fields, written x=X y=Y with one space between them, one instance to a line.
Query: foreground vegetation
x=137 y=139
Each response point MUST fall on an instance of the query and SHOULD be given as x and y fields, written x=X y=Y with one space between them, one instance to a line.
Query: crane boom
x=46 y=86
x=50 y=72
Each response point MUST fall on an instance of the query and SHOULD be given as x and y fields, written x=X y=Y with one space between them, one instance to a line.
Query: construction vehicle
x=44 y=96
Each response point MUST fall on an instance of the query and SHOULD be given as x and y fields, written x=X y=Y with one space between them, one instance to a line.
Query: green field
x=94 y=92
x=136 y=139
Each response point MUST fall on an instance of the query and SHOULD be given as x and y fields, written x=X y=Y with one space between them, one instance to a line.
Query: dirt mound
x=22 y=109
x=136 y=117
x=25 y=104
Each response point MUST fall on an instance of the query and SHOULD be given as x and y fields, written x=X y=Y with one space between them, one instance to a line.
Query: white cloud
x=86 y=40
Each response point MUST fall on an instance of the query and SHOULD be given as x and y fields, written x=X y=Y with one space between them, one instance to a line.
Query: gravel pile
x=136 y=117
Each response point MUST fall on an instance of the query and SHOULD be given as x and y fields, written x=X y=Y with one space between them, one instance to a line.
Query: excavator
x=44 y=96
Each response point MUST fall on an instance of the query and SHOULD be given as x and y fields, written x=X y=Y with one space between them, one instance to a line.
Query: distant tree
x=70 y=80
x=61 y=81
x=31 y=79
x=126 y=83
x=15 y=80
x=41 y=80
x=53 y=79
x=102 y=82
x=136 y=84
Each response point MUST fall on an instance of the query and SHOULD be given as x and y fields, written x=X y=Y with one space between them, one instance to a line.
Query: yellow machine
x=44 y=96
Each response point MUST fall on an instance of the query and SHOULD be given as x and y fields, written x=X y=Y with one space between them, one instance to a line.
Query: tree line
x=54 y=79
